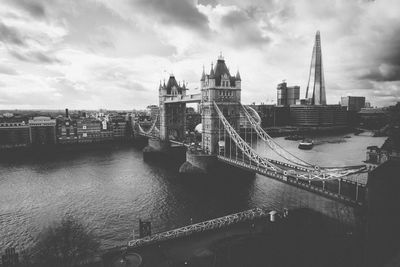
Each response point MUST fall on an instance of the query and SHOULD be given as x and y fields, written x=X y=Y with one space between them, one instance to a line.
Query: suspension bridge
x=223 y=118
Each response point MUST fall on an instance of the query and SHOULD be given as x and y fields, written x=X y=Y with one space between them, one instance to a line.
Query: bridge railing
x=341 y=189
x=200 y=227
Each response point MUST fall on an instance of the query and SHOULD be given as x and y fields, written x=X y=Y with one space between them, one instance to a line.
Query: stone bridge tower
x=172 y=115
x=221 y=87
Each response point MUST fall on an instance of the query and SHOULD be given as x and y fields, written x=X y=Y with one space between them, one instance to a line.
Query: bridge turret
x=203 y=78
x=172 y=116
x=211 y=77
x=238 y=82
x=224 y=89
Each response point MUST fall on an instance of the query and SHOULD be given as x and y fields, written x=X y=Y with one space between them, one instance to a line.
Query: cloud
x=7 y=70
x=244 y=28
x=10 y=35
x=35 y=57
x=383 y=73
x=177 y=12
x=100 y=53
x=34 y=8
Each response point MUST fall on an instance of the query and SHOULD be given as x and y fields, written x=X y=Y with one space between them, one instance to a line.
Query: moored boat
x=306 y=144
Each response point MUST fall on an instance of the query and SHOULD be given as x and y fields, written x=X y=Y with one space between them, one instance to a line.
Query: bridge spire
x=220 y=57
x=203 y=75
x=212 y=71
x=238 y=76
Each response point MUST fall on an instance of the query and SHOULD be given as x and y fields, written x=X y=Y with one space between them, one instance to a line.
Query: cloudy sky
x=90 y=54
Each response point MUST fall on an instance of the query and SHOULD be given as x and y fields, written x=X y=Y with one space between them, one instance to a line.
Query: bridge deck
x=346 y=191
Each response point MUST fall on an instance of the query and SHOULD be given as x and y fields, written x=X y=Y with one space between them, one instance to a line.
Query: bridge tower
x=224 y=89
x=172 y=115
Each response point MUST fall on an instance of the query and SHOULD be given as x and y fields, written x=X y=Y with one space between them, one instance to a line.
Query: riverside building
x=42 y=131
x=14 y=134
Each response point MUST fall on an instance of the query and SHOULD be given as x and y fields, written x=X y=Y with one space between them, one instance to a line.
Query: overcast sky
x=112 y=54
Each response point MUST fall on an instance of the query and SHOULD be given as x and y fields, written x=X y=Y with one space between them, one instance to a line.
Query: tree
x=64 y=245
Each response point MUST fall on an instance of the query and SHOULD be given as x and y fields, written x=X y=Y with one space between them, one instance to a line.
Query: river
x=109 y=189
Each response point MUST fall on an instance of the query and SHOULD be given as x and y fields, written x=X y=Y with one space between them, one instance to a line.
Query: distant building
x=367 y=104
x=14 y=134
x=272 y=116
x=154 y=111
x=120 y=130
x=8 y=115
x=318 y=115
x=287 y=95
x=373 y=118
x=67 y=132
x=93 y=131
x=192 y=120
x=353 y=103
x=42 y=131
x=120 y=126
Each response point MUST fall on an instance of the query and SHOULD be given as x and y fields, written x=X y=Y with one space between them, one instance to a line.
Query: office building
x=287 y=95
x=315 y=93
x=353 y=103
x=273 y=116
x=316 y=115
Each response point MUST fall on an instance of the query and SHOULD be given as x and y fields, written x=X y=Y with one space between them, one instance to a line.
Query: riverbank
x=34 y=151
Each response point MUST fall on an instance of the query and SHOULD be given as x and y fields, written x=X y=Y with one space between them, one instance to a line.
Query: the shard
x=315 y=93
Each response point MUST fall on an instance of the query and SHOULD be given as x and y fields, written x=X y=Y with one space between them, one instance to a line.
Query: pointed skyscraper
x=315 y=93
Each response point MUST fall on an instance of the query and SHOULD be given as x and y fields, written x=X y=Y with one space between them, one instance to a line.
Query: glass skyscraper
x=315 y=93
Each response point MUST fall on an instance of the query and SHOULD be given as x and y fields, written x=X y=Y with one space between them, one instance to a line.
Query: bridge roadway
x=346 y=191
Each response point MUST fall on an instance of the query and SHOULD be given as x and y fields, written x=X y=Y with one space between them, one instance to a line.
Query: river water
x=109 y=189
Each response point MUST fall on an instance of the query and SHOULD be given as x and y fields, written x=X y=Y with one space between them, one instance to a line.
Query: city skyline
x=97 y=54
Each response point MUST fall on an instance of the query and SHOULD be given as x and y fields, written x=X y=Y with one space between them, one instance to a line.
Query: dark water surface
x=110 y=189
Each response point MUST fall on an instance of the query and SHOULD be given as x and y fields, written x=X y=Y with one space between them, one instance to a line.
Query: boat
x=306 y=144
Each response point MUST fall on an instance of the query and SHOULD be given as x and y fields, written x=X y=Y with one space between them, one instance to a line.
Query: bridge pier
x=162 y=152
x=200 y=164
x=197 y=163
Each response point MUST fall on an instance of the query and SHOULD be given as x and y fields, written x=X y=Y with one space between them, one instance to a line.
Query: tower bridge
x=223 y=142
